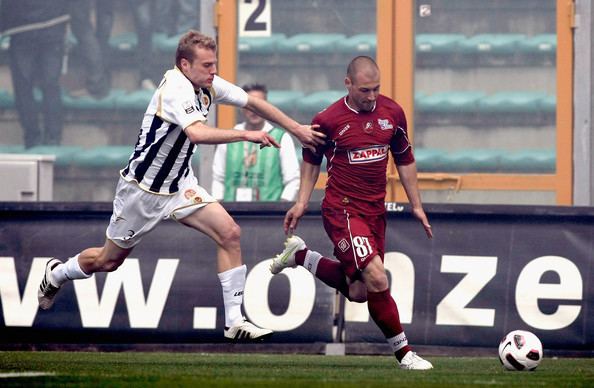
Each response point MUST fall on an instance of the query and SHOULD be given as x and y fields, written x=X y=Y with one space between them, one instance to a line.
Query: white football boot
x=47 y=291
x=286 y=259
x=246 y=332
x=412 y=361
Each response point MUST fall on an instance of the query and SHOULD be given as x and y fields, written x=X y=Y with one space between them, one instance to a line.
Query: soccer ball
x=520 y=350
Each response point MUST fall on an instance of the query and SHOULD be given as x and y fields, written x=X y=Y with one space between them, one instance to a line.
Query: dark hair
x=192 y=38
x=257 y=87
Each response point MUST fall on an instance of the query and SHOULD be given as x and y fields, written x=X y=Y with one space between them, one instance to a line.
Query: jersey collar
x=355 y=110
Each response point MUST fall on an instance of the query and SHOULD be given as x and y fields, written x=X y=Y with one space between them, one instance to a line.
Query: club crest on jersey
x=188 y=106
x=385 y=124
x=205 y=100
x=368 y=154
x=368 y=127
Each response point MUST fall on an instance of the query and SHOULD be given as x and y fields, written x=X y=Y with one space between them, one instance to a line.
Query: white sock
x=233 y=283
x=312 y=258
x=70 y=270
x=397 y=342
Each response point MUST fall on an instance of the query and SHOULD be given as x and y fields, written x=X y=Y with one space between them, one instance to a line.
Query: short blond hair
x=189 y=40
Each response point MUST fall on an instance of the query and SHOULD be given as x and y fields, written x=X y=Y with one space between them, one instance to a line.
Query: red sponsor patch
x=369 y=154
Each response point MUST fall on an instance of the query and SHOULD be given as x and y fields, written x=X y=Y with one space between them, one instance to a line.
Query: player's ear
x=347 y=82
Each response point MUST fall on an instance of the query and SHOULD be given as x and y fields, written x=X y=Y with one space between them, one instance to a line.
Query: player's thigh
x=353 y=238
x=214 y=221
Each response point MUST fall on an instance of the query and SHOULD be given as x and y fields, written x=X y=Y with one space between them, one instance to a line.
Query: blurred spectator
x=143 y=12
x=243 y=172
x=37 y=30
x=178 y=16
x=93 y=43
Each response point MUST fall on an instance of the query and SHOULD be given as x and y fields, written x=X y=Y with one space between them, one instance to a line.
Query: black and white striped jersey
x=162 y=155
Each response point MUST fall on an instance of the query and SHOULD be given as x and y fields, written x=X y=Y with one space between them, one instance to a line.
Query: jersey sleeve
x=176 y=102
x=227 y=93
x=316 y=157
x=400 y=145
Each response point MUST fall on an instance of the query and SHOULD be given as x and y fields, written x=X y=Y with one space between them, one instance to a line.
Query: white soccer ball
x=520 y=350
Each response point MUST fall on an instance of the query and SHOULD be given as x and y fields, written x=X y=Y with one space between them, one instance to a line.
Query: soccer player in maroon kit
x=361 y=128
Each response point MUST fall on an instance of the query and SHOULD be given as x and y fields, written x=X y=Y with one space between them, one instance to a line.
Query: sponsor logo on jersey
x=343 y=130
x=188 y=107
x=368 y=154
x=385 y=124
x=343 y=245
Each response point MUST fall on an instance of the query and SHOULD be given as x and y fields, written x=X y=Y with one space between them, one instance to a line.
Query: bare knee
x=230 y=236
x=375 y=276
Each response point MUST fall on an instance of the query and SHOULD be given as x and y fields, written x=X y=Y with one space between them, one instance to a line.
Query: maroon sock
x=329 y=271
x=384 y=312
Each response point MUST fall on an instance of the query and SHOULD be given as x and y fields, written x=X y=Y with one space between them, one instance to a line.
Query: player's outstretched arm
x=200 y=133
x=408 y=177
x=306 y=134
x=309 y=177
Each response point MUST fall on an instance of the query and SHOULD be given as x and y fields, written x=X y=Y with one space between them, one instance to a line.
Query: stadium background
x=499 y=100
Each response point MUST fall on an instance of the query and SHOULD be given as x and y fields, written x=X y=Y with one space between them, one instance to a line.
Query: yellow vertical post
x=401 y=72
x=403 y=65
x=385 y=22
x=564 y=121
x=227 y=52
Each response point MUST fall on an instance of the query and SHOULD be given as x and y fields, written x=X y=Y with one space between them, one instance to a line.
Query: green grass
x=265 y=370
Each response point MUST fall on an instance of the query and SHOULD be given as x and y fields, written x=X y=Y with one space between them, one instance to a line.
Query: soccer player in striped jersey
x=363 y=128
x=158 y=181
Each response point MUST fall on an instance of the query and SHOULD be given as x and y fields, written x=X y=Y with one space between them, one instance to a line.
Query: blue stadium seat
x=310 y=43
x=4 y=43
x=472 y=160
x=136 y=100
x=548 y=103
x=492 y=43
x=164 y=43
x=11 y=148
x=361 y=44
x=449 y=102
x=317 y=101
x=260 y=45
x=64 y=154
x=543 y=43
x=106 y=156
x=126 y=41
x=512 y=101
x=529 y=161
x=6 y=99
x=429 y=159
x=438 y=43
x=91 y=103
x=285 y=100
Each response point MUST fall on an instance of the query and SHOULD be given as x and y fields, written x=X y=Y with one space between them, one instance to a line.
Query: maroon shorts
x=356 y=238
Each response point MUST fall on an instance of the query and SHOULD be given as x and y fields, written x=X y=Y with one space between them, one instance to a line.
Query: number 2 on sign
x=254 y=18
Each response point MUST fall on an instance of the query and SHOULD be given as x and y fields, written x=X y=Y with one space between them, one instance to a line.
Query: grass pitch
x=132 y=369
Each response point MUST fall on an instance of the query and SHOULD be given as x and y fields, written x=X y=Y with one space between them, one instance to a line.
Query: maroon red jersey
x=357 y=153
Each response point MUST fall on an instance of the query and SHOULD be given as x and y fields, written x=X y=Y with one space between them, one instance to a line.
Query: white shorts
x=136 y=211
